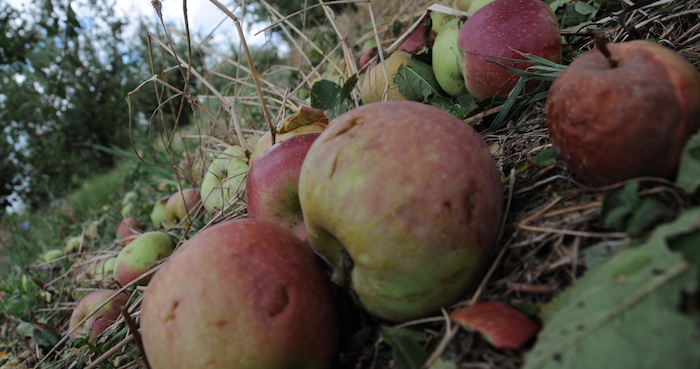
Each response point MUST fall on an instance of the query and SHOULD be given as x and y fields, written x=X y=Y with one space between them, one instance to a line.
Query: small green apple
x=447 y=59
x=477 y=4
x=74 y=244
x=105 y=268
x=141 y=255
x=182 y=206
x=158 y=212
x=224 y=179
x=375 y=86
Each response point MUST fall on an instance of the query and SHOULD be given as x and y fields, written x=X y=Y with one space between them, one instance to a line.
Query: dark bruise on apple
x=412 y=195
x=273 y=184
x=624 y=110
x=245 y=294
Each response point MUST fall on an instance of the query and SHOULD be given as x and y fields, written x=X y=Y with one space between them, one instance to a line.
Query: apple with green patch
x=273 y=184
x=140 y=256
x=407 y=200
x=182 y=207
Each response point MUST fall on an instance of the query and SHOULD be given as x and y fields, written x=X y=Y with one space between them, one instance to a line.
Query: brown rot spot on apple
x=220 y=324
x=447 y=205
x=349 y=125
x=211 y=363
x=171 y=315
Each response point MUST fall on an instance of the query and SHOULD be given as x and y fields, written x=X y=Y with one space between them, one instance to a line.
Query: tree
x=65 y=83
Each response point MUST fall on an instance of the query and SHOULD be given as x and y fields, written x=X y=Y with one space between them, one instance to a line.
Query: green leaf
x=689 y=167
x=325 y=95
x=618 y=204
x=416 y=81
x=623 y=313
x=406 y=347
x=596 y=254
x=348 y=86
x=585 y=9
x=443 y=364
x=46 y=337
x=545 y=157
x=468 y=104
x=646 y=214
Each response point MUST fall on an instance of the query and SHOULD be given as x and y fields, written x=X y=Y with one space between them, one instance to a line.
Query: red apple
x=244 y=293
x=107 y=312
x=273 y=184
x=412 y=196
x=182 y=206
x=420 y=38
x=631 y=118
x=141 y=255
x=496 y=31
x=128 y=229
x=304 y=121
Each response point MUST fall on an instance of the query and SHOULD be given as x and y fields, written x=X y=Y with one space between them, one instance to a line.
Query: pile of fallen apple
x=398 y=201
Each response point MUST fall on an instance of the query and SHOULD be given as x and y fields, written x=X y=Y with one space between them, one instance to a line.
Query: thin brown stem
x=601 y=43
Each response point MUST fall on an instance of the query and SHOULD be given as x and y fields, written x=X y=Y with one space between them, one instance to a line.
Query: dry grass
x=551 y=217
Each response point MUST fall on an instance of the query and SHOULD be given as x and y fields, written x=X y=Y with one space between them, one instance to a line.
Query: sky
x=203 y=16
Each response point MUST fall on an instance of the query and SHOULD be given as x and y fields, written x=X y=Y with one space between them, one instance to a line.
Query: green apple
x=158 y=212
x=244 y=294
x=224 y=179
x=477 y=4
x=182 y=206
x=52 y=255
x=375 y=86
x=141 y=255
x=75 y=244
x=103 y=310
x=463 y=5
x=105 y=268
x=439 y=20
x=410 y=198
x=447 y=59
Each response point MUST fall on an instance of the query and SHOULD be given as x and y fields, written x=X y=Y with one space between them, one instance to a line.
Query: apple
x=128 y=229
x=52 y=254
x=305 y=121
x=141 y=255
x=182 y=206
x=244 y=293
x=463 y=5
x=273 y=184
x=225 y=178
x=496 y=31
x=419 y=39
x=438 y=21
x=411 y=197
x=374 y=86
x=74 y=244
x=157 y=215
x=477 y=4
x=105 y=268
x=447 y=59
x=107 y=312
x=624 y=110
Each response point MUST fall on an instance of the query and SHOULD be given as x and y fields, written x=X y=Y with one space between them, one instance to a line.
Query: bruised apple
x=410 y=198
x=128 y=229
x=495 y=32
x=244 y=294
x=624 y=110
x=273 y=184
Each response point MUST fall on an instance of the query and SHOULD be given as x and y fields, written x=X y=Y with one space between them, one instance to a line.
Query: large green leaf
x=689 y=167
x=624 y=313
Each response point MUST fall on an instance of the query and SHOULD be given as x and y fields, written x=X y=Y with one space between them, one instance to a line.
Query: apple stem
x=602 y=44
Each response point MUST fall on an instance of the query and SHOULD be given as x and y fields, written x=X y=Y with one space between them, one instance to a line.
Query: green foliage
x=689 y=167
x=624 y=312
x=406 y=346
x=64 y=89
x=622 y=209
x=331 y=97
